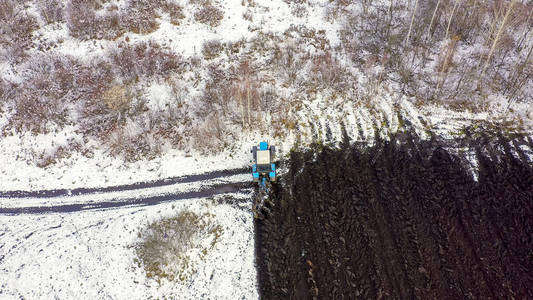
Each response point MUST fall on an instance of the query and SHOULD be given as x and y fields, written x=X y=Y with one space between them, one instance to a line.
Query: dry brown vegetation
x=101 y=97
x=16 y=30
x=209 y=15
x=444 y=51
x=100 y=20
x=443 y=28
x=212 y=48
x=52 y=11
x=144 y=60
x=164 y=244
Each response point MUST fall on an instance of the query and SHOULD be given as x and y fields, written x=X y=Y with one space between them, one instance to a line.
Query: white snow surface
x=89 y=255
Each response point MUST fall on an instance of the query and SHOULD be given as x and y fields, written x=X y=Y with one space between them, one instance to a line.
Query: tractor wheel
x=254 y=153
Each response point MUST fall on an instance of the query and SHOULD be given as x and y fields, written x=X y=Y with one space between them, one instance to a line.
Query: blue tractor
x=264 y=168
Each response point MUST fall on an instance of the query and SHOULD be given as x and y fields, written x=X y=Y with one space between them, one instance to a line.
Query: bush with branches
x=52 y=11
x=175 y=12
x=212 y=48
x=209 y=15
x=326 y=72
x=140 y=16
x=16 y=30
x=95 y=116
x=84 y=23
x=44 y=97
x=144 y=60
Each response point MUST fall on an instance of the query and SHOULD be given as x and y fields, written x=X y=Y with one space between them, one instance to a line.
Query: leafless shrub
x=447 y=55
x=16 y=30
x=287 y=62
x=336 y=9
x=283 y=122
x=217 y=92
x=96 y=118
x=83 y=22
x=249 y=3
x=165 y=245
x=111 y=26
x=234 y=94
x=209 y=15
x=6 y=90
x=137 y=16
x=299 y=10
x=144 y=60
x=212 y=48
x=50 y=157
x=378 y=35
x=326 y=71
x=201 y=2
x=171 y=125
x=34 y=113
x=235 y=47
x=175 y=11
x=44 y=97
x=295 y=1
x=210 y=135
x=55 y=87
x=52 y=11
x=132 y=142
x=3 y=91
x=140 y=16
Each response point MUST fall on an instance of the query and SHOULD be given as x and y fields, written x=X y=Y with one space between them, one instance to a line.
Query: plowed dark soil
x=399 y=221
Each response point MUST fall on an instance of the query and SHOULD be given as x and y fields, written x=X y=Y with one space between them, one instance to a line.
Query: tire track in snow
x=126 y=187
x=222 y=188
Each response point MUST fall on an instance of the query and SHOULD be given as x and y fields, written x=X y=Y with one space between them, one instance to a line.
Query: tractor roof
x=263 y=157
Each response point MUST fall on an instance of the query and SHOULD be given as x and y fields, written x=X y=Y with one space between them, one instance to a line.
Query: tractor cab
x=263 y=168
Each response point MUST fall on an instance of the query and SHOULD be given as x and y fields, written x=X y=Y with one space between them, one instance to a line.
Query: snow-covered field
x=305 y=71
x=89 y=255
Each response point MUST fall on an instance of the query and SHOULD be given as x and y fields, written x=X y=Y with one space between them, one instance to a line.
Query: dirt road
x=400 y=222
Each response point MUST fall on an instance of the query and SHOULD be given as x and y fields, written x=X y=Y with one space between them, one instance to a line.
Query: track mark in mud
x=400 y=220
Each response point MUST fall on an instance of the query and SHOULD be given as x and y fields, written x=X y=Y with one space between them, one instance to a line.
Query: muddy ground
x=400 y=220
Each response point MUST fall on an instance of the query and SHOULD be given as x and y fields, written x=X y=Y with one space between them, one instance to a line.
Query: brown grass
x=162 y=250
x=116 y=98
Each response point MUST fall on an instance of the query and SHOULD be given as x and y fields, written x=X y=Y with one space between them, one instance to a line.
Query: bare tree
x=433 y=18
x=451 y=17
x=498 y=35
x=411 y=25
